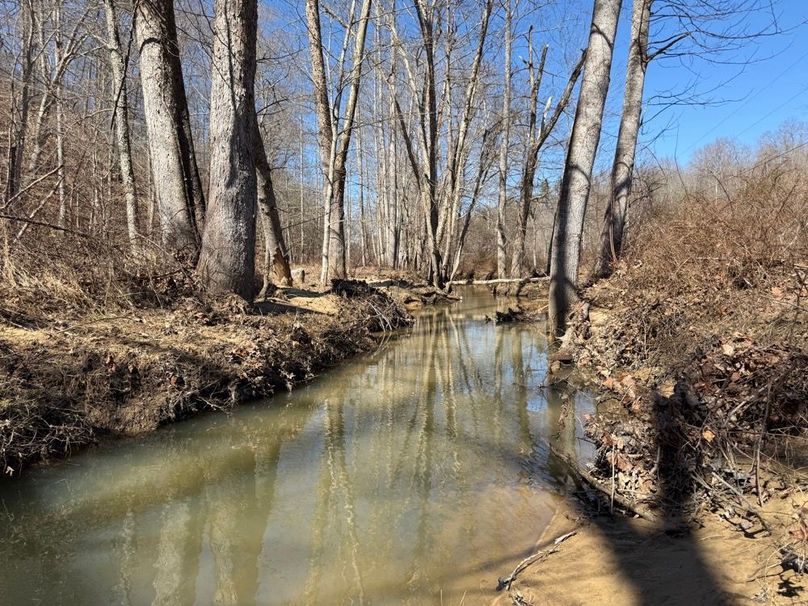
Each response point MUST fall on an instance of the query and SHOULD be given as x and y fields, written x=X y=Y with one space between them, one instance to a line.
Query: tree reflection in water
x=413 y=475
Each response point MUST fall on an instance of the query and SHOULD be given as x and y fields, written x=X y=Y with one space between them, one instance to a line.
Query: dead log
x=622 y=501
x=512 y=315
x=498 y=281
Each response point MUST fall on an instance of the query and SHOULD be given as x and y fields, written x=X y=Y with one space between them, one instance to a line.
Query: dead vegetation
x=700 y=343
x=92 y=349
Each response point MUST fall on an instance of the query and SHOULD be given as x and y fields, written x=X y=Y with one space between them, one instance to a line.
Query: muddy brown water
x=417 y=474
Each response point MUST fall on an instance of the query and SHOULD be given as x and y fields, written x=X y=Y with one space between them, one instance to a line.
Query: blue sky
x=748 y=100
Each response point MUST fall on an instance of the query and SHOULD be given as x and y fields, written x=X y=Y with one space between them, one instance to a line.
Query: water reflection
x=415 y=475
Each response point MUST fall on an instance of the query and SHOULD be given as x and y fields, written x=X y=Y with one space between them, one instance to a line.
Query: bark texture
x=180 y=203
x=276 y=255
x=502 y=201
x=121 y=109
x=335 y=136
x=227 y=260
x=614 y=221
x=576 y=182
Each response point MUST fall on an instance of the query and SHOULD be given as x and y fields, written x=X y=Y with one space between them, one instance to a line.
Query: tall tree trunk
x=392 y=225
x=335 y=138
x=531 y=160
x=322 y=105
x=18 y=127
x=429 y=195
x=362 y=227
x=121 y=109
x=227 y=259
x=60 y=134
x=178 y=187
x=614 y=221
x=276 y=255
x=458 y=148
x=502 y=201
x=536 y=141
x=576 y=182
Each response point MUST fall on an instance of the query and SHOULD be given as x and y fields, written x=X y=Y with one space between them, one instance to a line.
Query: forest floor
x=701 y=444
x=71 y=379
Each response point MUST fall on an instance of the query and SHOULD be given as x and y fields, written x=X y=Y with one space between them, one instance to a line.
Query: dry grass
x=702 y=336
x=705 y=268
x=95 y=341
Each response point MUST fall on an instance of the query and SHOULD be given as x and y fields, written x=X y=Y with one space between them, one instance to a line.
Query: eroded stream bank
x=70 y=381
x=417 y=474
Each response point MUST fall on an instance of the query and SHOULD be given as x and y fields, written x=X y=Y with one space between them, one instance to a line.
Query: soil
x=68 y=383
x=627 y=562
x=702 y=427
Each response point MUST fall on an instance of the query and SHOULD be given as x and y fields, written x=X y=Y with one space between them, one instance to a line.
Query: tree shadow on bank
x=663 y=561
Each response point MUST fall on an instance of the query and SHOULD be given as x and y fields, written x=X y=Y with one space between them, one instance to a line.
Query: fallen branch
x=622 y=501
x=742 y=501
x=498 y=281
x=44 y=224
x=539 y=555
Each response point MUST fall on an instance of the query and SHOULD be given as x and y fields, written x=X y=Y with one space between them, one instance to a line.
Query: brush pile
x=700 y=342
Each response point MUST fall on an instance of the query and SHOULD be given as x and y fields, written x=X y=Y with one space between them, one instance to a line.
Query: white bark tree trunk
x=178 y=188
x=614 y=221
x=502 y=201
x=335 y=137
x=227 y=258
x=576 y=182
x=121 y=109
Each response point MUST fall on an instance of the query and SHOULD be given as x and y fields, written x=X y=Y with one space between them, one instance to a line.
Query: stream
x=417 y=474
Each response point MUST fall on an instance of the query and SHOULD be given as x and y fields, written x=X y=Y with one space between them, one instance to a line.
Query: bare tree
x=614 y=221
x=502 y=201
x=459 y=149
x=227 y=258
x=705 y=29
x=576 y=181
x=18 y=125
x=276 y=255
x=536 y=138
x=121 y=119
x=53 y=66
x=178 y=188
x=440 y=197
x=425 y=11
x=335 y=131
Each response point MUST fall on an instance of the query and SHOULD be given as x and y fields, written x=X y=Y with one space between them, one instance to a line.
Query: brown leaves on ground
x=710 y=362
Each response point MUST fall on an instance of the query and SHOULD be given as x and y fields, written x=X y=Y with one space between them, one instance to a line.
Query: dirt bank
x=67 y=383
x=629 y=562
x=702 y=428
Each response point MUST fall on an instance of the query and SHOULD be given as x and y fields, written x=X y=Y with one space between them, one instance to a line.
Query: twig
x=741 y=499
x=44 y=224
x=624 y=502
x=541 y=554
